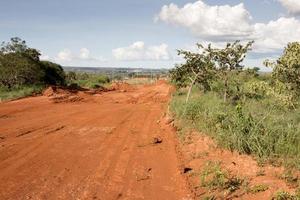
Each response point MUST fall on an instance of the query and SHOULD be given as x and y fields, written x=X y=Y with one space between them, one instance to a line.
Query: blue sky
x=146 y=33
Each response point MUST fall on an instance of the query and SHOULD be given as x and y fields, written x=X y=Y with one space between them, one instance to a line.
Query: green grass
x=214 y=178
x=259 y=127
x=18 y=92
x=258 y=188
x=91 y=80
x=283 y=195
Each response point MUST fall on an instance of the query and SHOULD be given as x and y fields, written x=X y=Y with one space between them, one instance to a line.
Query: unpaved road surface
x=99 y=146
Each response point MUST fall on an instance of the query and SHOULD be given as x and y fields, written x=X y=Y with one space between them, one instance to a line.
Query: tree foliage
x=20 y=65
x=54 y=73
x=197 y=69
x=209 y=63
x=228 y=60
x=287 y=67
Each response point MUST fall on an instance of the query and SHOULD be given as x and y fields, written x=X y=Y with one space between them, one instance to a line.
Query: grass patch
x=258 y=188
x=88 y=80
x=215 y=178
x=290 y=177
x=212 y=197
x=283 y=195
x=257 y=127
x=19 y=91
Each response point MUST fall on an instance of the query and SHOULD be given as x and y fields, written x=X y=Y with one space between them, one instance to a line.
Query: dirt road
x=113 y=145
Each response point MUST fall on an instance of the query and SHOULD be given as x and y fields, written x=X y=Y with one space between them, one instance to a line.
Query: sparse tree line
x=223 y=67
x=241 y=108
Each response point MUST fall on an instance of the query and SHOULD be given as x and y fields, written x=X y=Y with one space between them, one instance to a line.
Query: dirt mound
x=49 y=91
x=55 y=90
x=60 y=95
x=66 y=98
x=242 y=176
x=72 y=93
x=123 y=87
x=161 y=82
x=98 y=90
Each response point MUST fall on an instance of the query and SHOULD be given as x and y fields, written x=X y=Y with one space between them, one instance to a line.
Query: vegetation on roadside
x=87 y=80
x=214 y=177
x=21 y=91
x=283 y=195
x=22 y=73
x=242 y=109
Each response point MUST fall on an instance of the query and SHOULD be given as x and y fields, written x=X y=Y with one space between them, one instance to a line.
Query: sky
x=147 y=33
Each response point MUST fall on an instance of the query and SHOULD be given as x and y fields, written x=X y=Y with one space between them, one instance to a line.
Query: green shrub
x=215 y=178
x=87 y=80
x=258 y=188
x=53 y=73
x=20 y=65
x=283 y=195
x=19 y=91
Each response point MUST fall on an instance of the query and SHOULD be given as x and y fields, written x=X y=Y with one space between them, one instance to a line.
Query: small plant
x=258 y=188
x=215 y=178
x=211 y=197
x=289 y=177
x=261 y=173
x=283 y=195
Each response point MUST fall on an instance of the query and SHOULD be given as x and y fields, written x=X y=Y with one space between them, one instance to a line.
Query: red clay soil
x=199 y=150
x=116 y=144
x=90 y=145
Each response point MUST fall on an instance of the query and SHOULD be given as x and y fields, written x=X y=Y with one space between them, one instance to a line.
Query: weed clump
x=258 y=188
x=214 y=177
x=283 y=195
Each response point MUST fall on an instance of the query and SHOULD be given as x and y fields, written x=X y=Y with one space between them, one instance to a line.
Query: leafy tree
x=178 y=76
x=16 y=45
x=253 y=72
x=197 y=69
x=20 y=65
x=54 y=73
x=16 y=69
x=71 y=76
x=287 y=67
x=229 y=60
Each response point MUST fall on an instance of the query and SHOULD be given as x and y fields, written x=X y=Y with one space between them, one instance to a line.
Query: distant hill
x=107 y=70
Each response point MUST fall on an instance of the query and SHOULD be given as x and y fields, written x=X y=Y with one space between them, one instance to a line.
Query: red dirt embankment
x=258 y=182
x=90 y=145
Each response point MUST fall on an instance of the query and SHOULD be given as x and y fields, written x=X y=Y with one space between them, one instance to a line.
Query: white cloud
x=139 y=51
x=84 y=53
x=275 y=35
x=293 y=6
x=64 y=55
x=219 y=24
x=44 y=57
x=209 y=21
x=67 y=56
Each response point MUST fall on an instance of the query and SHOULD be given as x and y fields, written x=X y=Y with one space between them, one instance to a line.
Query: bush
x=53 y=73
x=19 y=91
x=87 y=80
x=287 y=68
x=20 y=66
x=16 y=69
